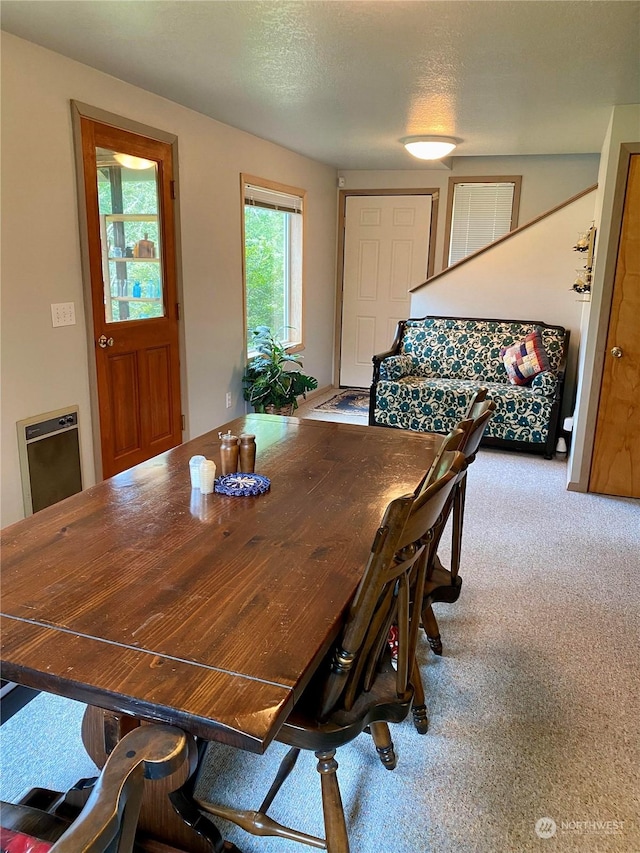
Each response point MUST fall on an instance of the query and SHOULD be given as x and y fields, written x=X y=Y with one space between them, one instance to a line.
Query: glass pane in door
x=130 y=237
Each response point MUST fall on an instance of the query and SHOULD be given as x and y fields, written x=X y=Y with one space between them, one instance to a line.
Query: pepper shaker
x=247 y=453
x=228 y=453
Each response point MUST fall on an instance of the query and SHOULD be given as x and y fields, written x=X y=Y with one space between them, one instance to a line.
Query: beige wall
x=526 y=277
x=546 y=182
x=624 y=127
x=45 y=368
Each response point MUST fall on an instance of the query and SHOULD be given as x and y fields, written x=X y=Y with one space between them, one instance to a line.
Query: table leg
x=161 y=828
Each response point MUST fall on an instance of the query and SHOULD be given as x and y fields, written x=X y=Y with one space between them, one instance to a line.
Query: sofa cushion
x=12 y=841
x=525 y=359
x=437 y=405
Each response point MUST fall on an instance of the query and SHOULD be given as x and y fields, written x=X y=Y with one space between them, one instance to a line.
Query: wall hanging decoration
x=585 y=243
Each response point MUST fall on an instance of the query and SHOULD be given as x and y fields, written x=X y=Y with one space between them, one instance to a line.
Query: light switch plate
x=63 y=313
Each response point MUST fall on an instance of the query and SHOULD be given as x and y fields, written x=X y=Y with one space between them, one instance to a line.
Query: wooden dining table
x=153 y=601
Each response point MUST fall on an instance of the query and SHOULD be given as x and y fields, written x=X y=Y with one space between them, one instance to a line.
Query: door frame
x=342 y=212
x=80 y=110
x=601 y=303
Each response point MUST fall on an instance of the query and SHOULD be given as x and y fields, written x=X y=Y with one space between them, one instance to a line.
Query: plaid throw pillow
x=525 y=359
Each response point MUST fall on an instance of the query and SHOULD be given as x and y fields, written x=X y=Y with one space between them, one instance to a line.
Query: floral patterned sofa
x=426 y=380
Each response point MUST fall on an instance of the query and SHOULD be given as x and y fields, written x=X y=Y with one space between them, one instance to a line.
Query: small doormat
x=348 y=401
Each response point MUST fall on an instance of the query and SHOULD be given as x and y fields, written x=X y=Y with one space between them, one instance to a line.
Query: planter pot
x=275 y=410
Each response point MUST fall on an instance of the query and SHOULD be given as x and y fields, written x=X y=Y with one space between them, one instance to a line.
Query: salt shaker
x=228 y=453
x=194 y=470
x=207 y=476
x=247 y=453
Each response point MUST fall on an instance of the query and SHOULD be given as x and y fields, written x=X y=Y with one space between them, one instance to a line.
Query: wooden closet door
x=615 y=466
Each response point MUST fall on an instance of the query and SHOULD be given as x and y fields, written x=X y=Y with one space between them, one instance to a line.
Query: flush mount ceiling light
x=429 y=147
x=131 y=162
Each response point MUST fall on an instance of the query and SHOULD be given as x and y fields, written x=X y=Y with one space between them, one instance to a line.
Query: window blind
x=481 y=213
x=273 y=199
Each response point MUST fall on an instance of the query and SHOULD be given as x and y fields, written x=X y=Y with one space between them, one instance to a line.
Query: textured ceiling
x=343 y=81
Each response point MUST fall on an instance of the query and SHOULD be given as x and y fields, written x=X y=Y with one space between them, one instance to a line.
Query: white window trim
x=266 y=193
x=509 y=218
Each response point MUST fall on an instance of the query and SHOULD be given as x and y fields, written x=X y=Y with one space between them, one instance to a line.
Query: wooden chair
x=102 y=817
x=359 y=687
x=479 y=397
x=442 y=584
x=426 y=531
x=456 y=438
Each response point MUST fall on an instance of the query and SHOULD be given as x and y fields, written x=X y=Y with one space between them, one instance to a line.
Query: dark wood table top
x=207 y=612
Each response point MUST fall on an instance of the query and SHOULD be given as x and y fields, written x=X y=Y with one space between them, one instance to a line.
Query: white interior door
x=386 y=248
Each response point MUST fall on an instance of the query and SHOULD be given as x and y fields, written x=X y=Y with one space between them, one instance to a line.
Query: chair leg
x=284 y=770
x=334 y=823
x=431 y=629
x=384 y=745
x=418 y=708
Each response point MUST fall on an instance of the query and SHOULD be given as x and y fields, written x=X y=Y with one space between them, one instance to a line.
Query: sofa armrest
x=395 y=349
x=377 y=361
x=562 y=367
x=545 y=383
x=395 y=366
x=554 y=418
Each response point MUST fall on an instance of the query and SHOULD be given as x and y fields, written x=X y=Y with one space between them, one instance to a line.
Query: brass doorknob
x=616 y=352
x=104 y=341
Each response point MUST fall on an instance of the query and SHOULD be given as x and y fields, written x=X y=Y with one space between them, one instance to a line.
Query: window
x=273 y=268
x=479 y=211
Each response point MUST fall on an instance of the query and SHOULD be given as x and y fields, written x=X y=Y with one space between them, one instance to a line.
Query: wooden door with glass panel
x=128 y=187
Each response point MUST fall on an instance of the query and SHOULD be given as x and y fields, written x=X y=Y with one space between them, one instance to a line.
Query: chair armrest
x=148 y=752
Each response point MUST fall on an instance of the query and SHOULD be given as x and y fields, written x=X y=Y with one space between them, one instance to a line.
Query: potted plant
x=268 y=383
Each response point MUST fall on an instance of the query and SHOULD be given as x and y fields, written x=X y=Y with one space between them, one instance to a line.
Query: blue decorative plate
x=242 y=485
